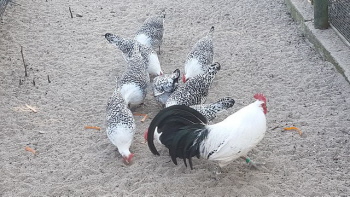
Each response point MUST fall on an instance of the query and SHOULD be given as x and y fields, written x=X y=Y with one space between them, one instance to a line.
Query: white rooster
x=184 y=131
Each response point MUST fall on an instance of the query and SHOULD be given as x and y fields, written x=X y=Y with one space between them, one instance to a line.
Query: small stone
x=79 y=15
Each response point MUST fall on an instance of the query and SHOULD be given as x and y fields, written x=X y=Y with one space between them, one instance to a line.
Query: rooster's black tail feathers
x=182 y=129
x=168 y=122
x=186 y=143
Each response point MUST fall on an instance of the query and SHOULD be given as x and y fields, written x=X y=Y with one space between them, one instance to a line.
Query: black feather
x=186 y=142
x=169 y=121
x=194 y=149
x=177 y=145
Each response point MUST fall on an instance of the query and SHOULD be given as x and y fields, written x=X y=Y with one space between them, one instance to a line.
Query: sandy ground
x=260 y=50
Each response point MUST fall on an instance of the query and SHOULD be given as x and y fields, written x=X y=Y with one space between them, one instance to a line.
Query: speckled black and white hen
x=151 y=32
x=165 y=85
x=195 y=90
x=200 y=57
x=134 y=81
x=127 y=48
x=120 y=125
x=210 y=110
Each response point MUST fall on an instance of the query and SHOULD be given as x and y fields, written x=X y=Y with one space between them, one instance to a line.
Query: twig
x=31 y=108
x=48 y=78
x=24 y=64
x=92 y=127
x=34 y=81
x=144 y=118
x=294 y=128
x=71 y=14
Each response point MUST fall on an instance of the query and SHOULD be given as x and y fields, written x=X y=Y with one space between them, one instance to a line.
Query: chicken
x=127 y=48
x=120 y=125
x=195 y=90
x=134 y=81
x=200 y=58
x=210 y=110
x=185 y=132
x=165 y=85
x=151 y=32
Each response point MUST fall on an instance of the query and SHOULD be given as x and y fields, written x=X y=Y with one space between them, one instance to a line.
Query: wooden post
x=321 y=14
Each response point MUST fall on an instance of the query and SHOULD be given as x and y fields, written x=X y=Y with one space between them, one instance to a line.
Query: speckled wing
x=201 y=56
x=134 y=81
x=153 y=30
x=118 y=114
x=212 y=109
x=203 y=50
x=195 y=90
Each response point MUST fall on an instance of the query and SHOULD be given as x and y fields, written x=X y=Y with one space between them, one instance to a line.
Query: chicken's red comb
x=260 y=97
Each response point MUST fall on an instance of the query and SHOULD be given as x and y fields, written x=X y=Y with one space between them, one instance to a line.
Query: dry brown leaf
x=92 y=127
x=294 y=128
x=27 y=148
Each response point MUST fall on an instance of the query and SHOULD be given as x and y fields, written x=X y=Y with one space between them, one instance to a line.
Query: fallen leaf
x=92 y=127
x=294 y=128
x=27 y=148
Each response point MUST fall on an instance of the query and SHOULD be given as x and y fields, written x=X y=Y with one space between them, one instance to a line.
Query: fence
x=339 y=16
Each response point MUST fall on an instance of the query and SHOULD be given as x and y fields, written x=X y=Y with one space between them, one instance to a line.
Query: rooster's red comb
x=260 y=97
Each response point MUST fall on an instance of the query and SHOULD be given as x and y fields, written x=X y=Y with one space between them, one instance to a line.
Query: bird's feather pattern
x=127 y=48
x=201 y=56
x=195 y=90
x=169 y=120
x=120 y=123
x=165 y=85
x=151 y=31
x=212 y=109
x=136 y=76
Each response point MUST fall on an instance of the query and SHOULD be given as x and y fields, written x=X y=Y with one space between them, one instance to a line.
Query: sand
x=260 y=49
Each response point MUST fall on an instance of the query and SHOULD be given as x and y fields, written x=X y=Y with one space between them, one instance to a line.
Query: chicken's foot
x=251 y=163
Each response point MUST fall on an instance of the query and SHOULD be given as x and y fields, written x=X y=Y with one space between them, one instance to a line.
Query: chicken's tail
x=169 y=122
x=224 y=103
x=186 y=143
x=211 y=110
x=125 y=45
x=111 y=38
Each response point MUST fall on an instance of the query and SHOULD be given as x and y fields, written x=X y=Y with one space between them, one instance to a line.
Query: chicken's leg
x=218 y=170
x=159 y=50
x=251 y=163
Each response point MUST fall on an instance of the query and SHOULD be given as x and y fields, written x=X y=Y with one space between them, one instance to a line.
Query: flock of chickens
x=182 y=126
